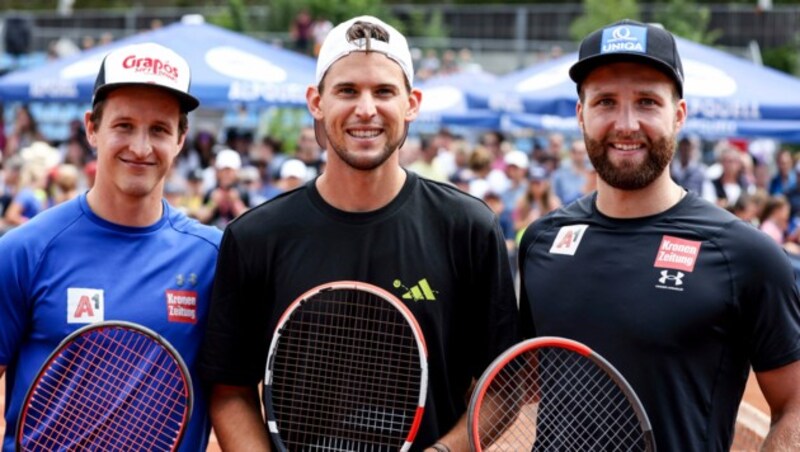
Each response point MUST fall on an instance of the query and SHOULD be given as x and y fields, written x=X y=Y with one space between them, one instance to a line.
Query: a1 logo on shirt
x=568 y=239
x=85 y=305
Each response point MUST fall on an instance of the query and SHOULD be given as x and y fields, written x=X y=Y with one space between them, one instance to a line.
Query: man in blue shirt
x=119 y=245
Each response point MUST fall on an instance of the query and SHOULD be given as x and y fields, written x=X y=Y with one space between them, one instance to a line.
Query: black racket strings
x=346 y=374
x=563 y=400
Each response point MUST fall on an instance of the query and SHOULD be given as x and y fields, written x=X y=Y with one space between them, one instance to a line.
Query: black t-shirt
x=681 y=303
x=430 y=234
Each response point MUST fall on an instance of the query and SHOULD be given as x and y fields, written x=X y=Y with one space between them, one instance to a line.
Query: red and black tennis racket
x=347 y=371
x=111 y=386
x=551 y=393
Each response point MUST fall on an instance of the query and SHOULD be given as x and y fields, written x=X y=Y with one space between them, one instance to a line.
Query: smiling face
x=137 y=138
x=630 y=115
x=363 y=105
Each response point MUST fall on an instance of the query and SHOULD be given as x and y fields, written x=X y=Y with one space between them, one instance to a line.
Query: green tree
x=234 y=17
x=283 y=12
x=687 y=19
x=422 y=23
x=598 y=13
x=783 y=58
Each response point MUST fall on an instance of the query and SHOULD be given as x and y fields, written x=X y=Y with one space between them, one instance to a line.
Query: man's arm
x=236 y=418
x=782 y=392
x=456 y=440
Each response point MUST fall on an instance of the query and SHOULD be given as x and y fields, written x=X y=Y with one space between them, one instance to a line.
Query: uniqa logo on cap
x=624 y=39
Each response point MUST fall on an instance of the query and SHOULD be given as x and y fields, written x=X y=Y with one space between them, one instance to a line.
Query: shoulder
x=577 y=211
x=449 y=198
x=276 y=206
x=712 y=222
x=49 y=222
x=194 y=229
x=35 y=235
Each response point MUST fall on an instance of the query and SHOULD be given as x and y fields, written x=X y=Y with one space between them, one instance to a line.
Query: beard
x=364 y=161
x=628 y=175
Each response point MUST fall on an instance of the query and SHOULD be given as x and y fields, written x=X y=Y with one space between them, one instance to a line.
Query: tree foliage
x=783 y=58
x=283 y=12
x=598 y=13
x=687 y=19
x=234 y=17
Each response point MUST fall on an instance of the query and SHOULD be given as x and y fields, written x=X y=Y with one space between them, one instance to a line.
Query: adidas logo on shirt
x=420 y=292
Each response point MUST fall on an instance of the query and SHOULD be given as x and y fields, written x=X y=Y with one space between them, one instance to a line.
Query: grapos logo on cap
x=625 y=38
x=153 y=66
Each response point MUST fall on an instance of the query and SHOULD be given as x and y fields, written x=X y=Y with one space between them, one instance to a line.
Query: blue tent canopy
x=726 y=95
x=227 y=68
x=444 y=101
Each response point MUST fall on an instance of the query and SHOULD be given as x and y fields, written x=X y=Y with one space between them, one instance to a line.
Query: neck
x=126 y=210
x=353 y=190
x=657 y=197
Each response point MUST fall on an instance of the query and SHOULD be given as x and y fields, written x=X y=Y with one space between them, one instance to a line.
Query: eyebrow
x=133 y=118
x=639 y=93
x=392 y=86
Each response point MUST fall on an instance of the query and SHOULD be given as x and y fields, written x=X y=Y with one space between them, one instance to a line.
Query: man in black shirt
x=678 y=294
x=365 y=219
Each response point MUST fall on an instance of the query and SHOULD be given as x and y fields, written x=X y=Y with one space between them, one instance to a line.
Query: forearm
x=784 y=434
x=236 y=418
x=456 y=440
x=779 y=387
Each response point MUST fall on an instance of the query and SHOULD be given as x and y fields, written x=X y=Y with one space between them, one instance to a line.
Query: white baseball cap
x=336 y=46
x=228 y=158
x=294 y=168
x=145 y=64
x=517 y=158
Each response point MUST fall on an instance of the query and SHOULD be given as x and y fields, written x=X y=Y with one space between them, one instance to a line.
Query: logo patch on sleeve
x=85 y=305
x=677 y=254
x=182 y=306
x=568 y=239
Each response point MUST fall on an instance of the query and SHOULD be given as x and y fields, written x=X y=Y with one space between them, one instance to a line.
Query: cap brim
x=580 y=70
x=187 y=101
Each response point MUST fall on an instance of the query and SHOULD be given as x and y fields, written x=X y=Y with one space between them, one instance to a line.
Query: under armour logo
x=676 y=279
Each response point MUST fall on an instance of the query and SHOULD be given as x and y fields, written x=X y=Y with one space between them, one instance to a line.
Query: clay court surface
x=752 y=397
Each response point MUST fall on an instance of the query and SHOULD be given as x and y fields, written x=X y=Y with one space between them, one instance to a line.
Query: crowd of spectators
x=215 y=179
x=759 y=186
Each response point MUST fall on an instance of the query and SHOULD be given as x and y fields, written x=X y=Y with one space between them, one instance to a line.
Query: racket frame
x=528 y=345
x=111 y=324
x=272 y=423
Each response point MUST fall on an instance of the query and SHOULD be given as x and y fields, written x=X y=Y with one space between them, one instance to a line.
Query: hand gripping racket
x=555 y=394
x=347 y=371
x=111 y=386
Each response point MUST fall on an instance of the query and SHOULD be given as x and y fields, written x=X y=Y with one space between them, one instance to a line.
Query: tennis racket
x=347 y=371
x=109 y=386
x=552 y=393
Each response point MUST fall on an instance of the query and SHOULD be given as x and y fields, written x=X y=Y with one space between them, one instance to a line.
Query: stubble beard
x=359 y=161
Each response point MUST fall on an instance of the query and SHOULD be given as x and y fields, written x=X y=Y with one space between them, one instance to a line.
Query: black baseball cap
x=628 y=40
